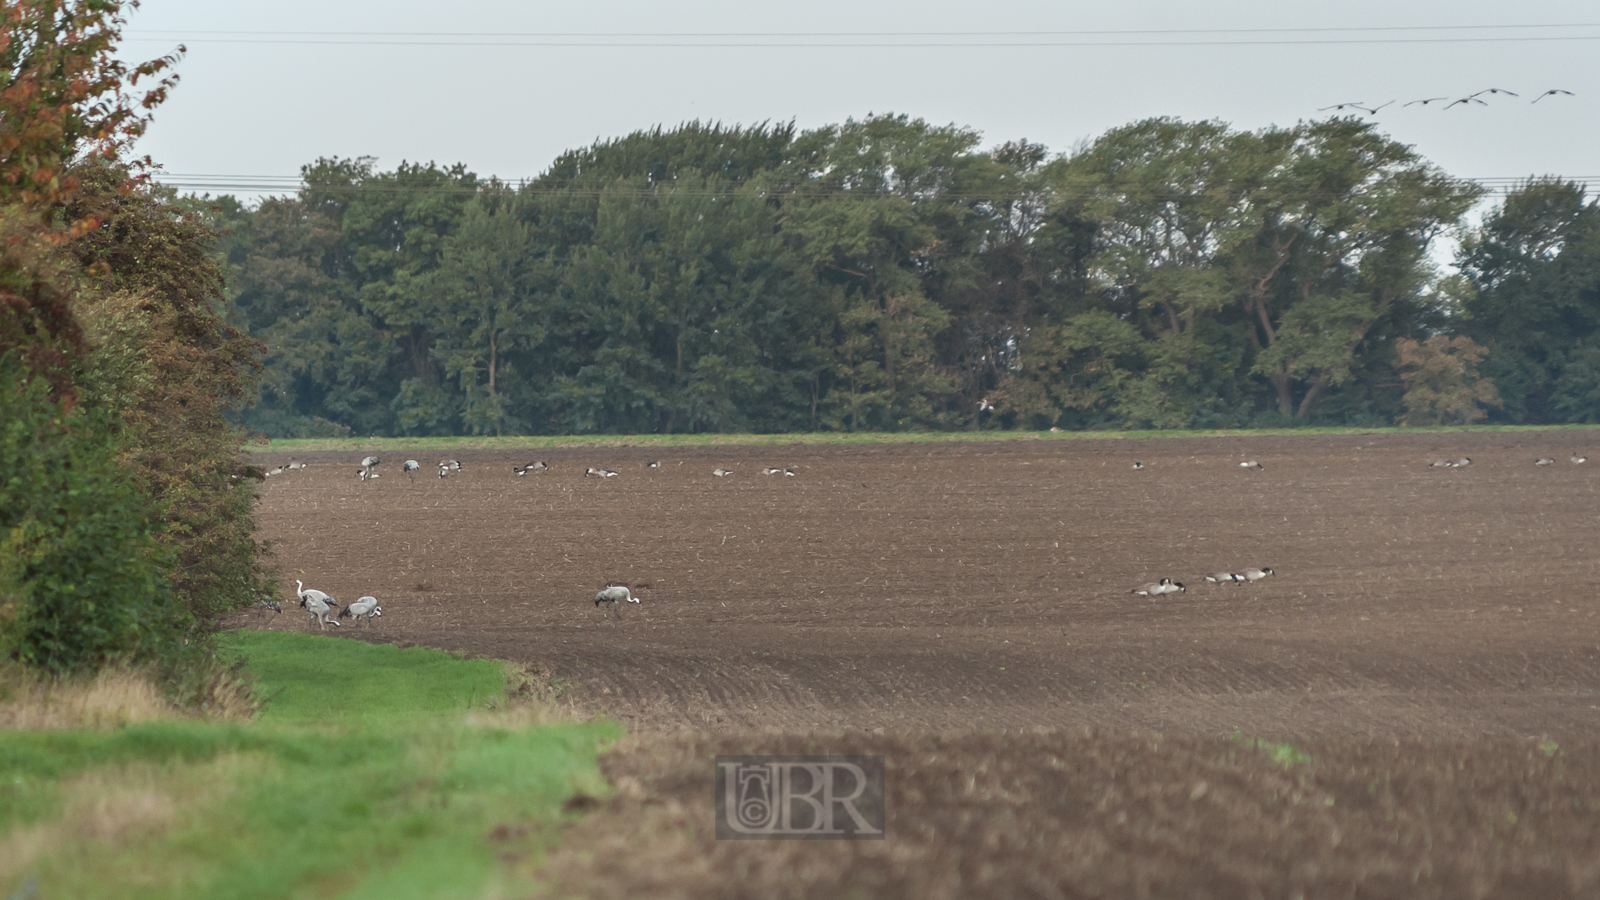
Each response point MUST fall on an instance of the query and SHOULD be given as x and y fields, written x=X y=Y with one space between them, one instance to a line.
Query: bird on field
x=788 y=471
x=1224 y=578
x=444 y=471
x=1467 y=100
x=275 y=470
x=370 y=463
x=537 y=465
x=1137 y=464
x=1252 y=575
x=294 y=466
x=653 y=464
x=317 y=603
x=1440 y=464
x=1497 y=91
x=593 y=472
x=1459 y=463
x=769 y=470
x=366 y=474
x=1355 y=105
x=1158 y=588
x=608 y=473
x=1250 y=464
x=365 y=607
x=615 y=594
x=720 y=472
x=1427 y=101
x=410 y=466
x=1544 y=461
x=1552 y=92
x=1579 y=460
x=450 y=464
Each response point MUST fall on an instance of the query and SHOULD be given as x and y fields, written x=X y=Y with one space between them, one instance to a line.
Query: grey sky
x=264 y=109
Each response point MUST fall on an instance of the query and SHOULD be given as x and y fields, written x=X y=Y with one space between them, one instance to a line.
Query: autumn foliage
x=1443 y=386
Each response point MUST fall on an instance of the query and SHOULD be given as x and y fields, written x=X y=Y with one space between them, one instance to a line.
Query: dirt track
x=985 y=586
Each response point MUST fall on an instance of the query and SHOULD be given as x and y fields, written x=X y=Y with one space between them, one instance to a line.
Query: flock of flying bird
x=1469 y=100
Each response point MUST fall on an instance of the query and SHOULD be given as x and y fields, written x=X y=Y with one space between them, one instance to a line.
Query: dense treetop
x=891 y=274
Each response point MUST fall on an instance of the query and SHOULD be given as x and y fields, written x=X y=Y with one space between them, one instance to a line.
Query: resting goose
x=1252 y=574
x=1157 y=588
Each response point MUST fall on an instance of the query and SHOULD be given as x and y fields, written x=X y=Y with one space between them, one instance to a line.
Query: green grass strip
x=387 y=444
x=361 y=778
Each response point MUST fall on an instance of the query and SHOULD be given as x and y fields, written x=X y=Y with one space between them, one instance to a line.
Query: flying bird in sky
x=1427 y=101
x=1468 y=100
x=1553 y=91
x=1356 y=105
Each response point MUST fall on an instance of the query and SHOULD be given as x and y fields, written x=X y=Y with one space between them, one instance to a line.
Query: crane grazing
x=615 y=595
x=365 y=607
x=319 y=604
x=411 y=466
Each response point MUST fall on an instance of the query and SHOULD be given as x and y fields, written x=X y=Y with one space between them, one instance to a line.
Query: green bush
x=81 y=580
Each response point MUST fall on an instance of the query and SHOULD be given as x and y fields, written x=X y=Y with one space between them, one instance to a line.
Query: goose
x=1254 y=575
x=1157 y=588
x=444 y=470
x=1137 y=464
x=1463 y=461
x=653 y=464
x=276 y=470
x=769 y=470
x=366 y=474
x=720 y=472
x=614 y=595
x=535 y=466
x=1579 y=460
x=366 y=606
x=788 y=471
x=593 y=472
x=1544 y=461
x=607 y=473
x=1250 y=464
x=1224 y=578
x=1440 y=464
x=410 y=466
x=451 y=464
x=295 y=466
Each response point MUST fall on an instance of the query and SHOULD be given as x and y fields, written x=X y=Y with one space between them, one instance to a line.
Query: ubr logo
x=799 y=798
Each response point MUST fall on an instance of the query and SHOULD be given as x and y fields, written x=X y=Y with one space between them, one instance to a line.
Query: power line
x=877 y=39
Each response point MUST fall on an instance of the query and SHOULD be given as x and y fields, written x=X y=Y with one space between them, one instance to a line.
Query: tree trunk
x=1284 y=385
x=1319 y=385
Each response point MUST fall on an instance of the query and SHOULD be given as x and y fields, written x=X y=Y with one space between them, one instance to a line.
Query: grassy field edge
x=536 y=442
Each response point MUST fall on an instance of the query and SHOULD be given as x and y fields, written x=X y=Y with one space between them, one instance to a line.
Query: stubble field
x=968 y=605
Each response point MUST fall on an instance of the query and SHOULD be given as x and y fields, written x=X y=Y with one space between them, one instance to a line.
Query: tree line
x=889 y=274
x=126 y=515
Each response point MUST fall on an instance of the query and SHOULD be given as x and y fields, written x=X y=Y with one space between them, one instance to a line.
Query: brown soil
x=963 y=609
x=986 y=586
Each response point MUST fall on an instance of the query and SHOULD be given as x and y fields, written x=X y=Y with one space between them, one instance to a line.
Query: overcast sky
x=257 y=100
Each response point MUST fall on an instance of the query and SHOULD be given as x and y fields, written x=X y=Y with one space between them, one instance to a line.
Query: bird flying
x=1426 y=102
x=1552 y=92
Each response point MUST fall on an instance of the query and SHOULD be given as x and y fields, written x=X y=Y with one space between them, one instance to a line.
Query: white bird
x=1250 y=464
x=317 y=603
x=653 y=464
x=411 y=466
x=452 y=465
x=1157 y=588
x=1578 y=460
x=295 y=466
x=720 y=472
x=788 y=471
x=1224 y=578
x=366 y=606
x=1253 y=575
x=594 y=472
x=277 y=470
x=769 y=470
x=1440 y=464
x=1137 y=464
x=366 y=474
x=615 y=594
x=444 y=471
x=1463 y=461
x=1544 y=461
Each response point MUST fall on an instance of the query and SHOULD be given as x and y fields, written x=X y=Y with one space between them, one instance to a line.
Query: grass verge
x=370 y=772
x=534 y=442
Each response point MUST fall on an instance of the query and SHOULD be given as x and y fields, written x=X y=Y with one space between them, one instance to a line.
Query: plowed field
x=986 y=586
